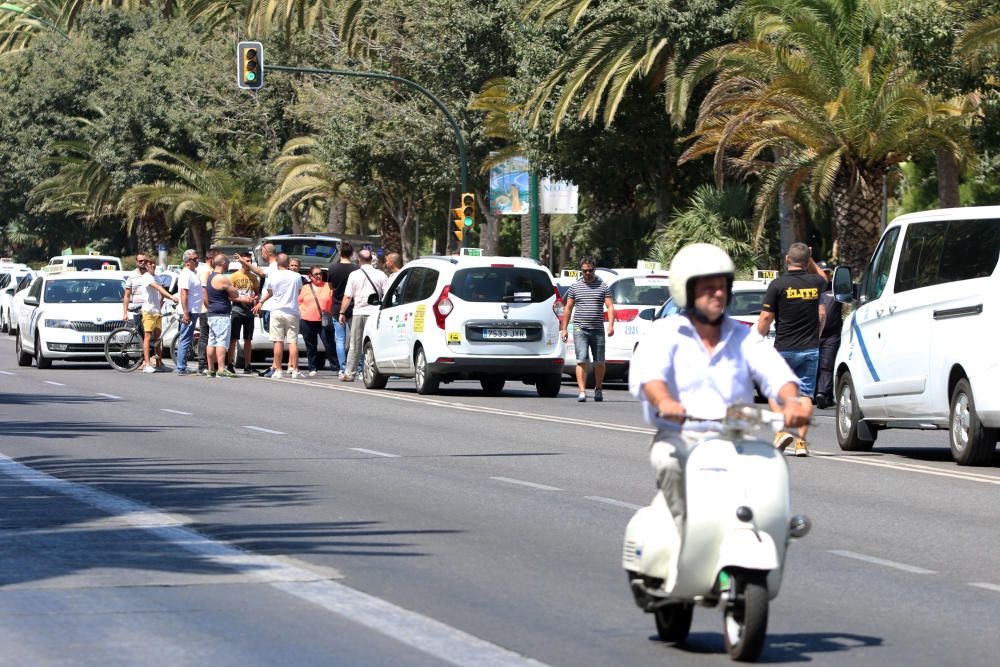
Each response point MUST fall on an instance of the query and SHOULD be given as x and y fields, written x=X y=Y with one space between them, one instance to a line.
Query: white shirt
x=138 y=290
x=153 y=298
x=269 y=271
x=284 y=286
x=359 y=287
x=189 y=280
x=704 y=384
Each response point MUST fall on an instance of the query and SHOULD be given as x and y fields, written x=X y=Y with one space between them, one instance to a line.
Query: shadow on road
x=72 y=429
x=925 y=454
x=48 y=399
x=784 y=648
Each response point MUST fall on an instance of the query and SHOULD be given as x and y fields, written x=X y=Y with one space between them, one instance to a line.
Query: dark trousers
x=827 y=354
x=202 y=343
x=311 y=331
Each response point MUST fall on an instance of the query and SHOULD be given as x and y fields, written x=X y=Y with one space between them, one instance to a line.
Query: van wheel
x=492 y=386
x=373 y=379
x=426 y=381
x=40 y=359
x=972 y=444
x=848 y=417
x=548 y=386
x=23 y=358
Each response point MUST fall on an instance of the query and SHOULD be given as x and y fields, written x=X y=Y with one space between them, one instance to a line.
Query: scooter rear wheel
x=744 y=624
x=673 y=622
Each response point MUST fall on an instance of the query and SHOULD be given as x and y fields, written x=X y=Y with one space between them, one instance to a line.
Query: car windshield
x=84 y=291
x=308 y=249
x=91 y=263
x=640 y=291
x=743 y=304
x=502 y=283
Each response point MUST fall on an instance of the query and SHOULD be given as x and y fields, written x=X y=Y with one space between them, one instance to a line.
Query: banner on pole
x=558 y=197
x=510 y=182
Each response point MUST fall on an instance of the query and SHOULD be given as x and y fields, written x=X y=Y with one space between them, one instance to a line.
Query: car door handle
x=880 y=311
x=892 y=309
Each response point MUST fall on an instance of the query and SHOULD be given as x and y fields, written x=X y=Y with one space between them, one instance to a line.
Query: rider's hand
x=671 y=410
x=797 y=413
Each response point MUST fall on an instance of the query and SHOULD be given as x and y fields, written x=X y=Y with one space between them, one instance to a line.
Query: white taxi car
x=492 y=319
x=68 y=316
x=637 y=295
x=745 y=306
x=9 y=282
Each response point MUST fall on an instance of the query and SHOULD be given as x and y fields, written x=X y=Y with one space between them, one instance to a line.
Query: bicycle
x=123 y=348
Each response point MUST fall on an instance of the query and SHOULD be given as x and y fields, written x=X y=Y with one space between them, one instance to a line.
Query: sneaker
x=800 y=447
x=231 y=368
x=225 y=373
x=210 y=374
x=340 y=375
x=782 y=439
x=268 y=373
x=312 y=374
x=582 y=398
x=161 y=369
x=183 y=371
x=247 y=370
x=296 y=375
x=276 y=375
x=149 y=369
x=598 y=395
x=347 y=377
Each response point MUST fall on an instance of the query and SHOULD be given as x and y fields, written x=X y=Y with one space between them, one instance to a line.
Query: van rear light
x=626 y=314
x=443 y=307
x=502 y=266
x=557 y=306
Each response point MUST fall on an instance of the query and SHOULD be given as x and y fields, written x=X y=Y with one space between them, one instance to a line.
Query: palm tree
x=981 y=39
x=306 y=183
x=820 y=86
x=194 y=194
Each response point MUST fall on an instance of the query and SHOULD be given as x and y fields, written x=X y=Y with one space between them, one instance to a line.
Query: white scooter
x=737 y=529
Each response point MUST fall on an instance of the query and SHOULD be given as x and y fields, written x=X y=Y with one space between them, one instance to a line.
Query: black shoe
x=247 y=370
x=268 y=373
x=231 y=368
x=823 y=401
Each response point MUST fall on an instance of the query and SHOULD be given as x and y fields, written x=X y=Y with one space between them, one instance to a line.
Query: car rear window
x=641 y=291
x=746 y=304
x=91 y=264
x=502 y=283
x=312 y=250
x=84 y=291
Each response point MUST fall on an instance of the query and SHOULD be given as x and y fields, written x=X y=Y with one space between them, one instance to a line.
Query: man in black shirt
x=829 y=341
x=793 y=302
x=337 y=274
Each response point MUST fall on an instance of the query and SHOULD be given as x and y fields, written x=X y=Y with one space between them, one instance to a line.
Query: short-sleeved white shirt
x=153 y=298
x=704 y=384
x=284 y=286
x=269 y=271
x=138 y=289
x=359 y=287
x=189 y=280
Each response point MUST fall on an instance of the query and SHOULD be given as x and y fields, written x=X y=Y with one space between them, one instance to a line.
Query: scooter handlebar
x=739 y=415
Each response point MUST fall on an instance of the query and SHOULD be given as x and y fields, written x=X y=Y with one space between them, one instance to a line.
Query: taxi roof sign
x=765 y=274
x=472 y=252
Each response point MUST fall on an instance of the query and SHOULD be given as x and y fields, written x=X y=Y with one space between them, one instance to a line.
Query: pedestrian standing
x=393 y=263
x=152 y=320
x=316 y=320
x=829 y=340
x=792 y=303
x=191 y=298
x=586 y=301
x=337 y=275
x=248 y=286
x=219 y=297
x=135 y=294
x=203 y=270
x=360 y=285
x=281 y=297
x=269 y=261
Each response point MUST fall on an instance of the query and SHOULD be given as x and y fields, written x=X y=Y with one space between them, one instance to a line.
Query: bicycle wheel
x=123 y=349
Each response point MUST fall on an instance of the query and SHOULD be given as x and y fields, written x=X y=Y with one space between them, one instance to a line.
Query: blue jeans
x=341 y=332
x=804 y=363
x=185 y=340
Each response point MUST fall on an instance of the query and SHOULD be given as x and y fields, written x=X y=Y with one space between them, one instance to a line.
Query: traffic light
x=250 y=65
x=459 y=221
x=468 y=209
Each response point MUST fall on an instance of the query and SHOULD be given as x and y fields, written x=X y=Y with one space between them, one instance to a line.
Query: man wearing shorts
x=281 y=294
x=152 y=321
x=585 y=304
x=248 y=287
x=219 y=296
x=793 y=302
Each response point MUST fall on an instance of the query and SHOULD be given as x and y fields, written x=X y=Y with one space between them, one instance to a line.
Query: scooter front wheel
x=673 y=622
x=745 y=620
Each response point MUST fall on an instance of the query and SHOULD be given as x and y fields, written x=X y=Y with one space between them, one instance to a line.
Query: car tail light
x=626 y=314
x=557 y=305
x=502 y=266
x=443 y=307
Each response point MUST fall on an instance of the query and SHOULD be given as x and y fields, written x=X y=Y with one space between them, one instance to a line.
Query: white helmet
x=696 y=261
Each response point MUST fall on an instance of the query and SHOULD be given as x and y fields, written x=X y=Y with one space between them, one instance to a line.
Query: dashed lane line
x=54 y=384
x=420 y=632
x=521 y=482
x=111 y=396
x=374 y=452
x=989 y=587
x=176 y=412
x=612 y=501
x=912 y=569
x=261 y=429
x=7 y=373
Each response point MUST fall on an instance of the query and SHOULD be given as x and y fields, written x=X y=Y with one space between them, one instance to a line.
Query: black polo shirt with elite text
x=794 y=300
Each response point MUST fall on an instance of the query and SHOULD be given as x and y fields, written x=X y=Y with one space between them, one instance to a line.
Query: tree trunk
x=857 y=214
x=297 y=225
x=489 y=233
x=389 y=229
x=947 y=178
x=336 y=219
x=544 y=233
x=526 y=235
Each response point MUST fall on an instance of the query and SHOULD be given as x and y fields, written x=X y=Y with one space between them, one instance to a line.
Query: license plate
x=505 y=334
x=95 y=339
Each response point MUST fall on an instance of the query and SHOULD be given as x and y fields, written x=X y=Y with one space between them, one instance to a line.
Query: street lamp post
x=7 y=7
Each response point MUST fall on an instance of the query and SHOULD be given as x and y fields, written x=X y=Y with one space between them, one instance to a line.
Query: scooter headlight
x=799 y=526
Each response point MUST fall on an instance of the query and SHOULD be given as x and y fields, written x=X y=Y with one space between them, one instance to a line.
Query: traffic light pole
x=462 y=161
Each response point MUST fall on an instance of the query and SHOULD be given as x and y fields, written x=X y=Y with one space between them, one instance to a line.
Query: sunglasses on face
x=587 y=270
x=317 y=275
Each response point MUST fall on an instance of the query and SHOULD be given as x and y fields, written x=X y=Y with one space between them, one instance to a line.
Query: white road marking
x=55 y=384
x=990 y=587
x=421 y=632
x=112 y=396
x=374 y=453
x=909 y=467
x=543 y=487
x=612 y=501
x=265 y=430
x=7 y=373
x=175 y=412
x=913 y=569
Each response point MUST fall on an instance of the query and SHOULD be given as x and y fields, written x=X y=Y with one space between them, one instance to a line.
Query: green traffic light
x=251 y=76
x=467 y=221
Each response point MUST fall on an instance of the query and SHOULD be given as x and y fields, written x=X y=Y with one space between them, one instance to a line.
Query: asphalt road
x=310 y=522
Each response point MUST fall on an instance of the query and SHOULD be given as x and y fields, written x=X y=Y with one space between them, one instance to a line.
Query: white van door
x=390 y=328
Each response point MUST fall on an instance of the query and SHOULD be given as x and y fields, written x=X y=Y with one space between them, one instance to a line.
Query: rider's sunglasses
x=587 y=270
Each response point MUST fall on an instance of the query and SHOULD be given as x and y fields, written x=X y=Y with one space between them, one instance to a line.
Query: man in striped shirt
x=585 y=304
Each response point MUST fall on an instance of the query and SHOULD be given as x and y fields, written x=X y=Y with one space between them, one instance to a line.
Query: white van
x=918 y=350
x=83 y=263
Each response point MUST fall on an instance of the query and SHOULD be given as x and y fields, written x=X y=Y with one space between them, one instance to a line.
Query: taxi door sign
x=454 y=337
x=418 y=318
x=765 y=274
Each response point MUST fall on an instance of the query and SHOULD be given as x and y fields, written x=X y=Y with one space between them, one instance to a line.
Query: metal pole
x=533 y=199
x=6 y=6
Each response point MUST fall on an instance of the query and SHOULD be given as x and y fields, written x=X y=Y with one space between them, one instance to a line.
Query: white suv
x=491 y=319
x=918 y=351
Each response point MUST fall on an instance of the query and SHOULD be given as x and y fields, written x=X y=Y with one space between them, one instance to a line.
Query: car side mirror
x=9 y=290
x=374 y=300
x=843 y=288
x=647 y=314
x=31 y=300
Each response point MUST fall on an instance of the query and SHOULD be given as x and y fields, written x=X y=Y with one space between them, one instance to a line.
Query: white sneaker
x=149 y=369
x=312 y=374
x=295 y=375
x=276 y=375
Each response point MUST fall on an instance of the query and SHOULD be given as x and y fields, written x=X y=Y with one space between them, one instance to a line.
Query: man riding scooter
x=699 y=362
